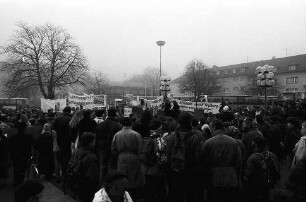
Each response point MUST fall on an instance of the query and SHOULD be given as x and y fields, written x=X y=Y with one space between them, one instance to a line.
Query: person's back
x=222 y=157
x=183 y=147
x=105 y=132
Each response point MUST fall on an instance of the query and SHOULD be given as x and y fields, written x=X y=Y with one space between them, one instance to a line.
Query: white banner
x=86 y=101
x=56 y=105
x=208 y=107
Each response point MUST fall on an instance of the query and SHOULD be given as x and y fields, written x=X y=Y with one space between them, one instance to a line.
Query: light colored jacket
x=101 y=196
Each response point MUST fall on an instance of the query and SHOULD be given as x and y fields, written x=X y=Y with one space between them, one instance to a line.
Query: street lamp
x=265 y=75
x=160 y=44
x=165 y=84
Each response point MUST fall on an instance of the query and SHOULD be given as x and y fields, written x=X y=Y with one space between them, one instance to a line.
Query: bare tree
x=149 y=78
x=98 y=83
x=45 y=57
x=197 y=79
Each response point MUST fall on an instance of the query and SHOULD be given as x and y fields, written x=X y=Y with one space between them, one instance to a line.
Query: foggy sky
x=119 y=37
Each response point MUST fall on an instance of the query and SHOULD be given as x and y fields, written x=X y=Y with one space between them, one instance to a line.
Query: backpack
x=270 y=168
x=180 y=155
x=74 y=172
x=147 y=154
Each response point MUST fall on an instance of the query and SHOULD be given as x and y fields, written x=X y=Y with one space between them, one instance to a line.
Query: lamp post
x=160 y=44
x=265 y=75
x=165 y=84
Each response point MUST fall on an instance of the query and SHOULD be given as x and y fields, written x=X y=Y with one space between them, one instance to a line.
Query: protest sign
x=56 y=105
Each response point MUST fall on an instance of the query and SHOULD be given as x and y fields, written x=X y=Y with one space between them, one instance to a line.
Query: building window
x=225 y=90
x=292 y=89
x=225 y=71
x=292 y=80
x=234 y=71
x=218 y=73
x=292 y=67
x=243 y=69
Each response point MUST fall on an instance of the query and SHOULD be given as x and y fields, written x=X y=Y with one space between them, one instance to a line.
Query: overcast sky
x=118 y=36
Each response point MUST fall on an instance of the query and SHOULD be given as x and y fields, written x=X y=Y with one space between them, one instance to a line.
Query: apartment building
x=290 y=76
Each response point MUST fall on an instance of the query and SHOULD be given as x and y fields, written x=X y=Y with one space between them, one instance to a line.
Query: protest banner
x=56 y=105
x=208 y=107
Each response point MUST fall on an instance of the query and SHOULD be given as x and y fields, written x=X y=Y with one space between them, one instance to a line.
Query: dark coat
x=105 y=132
x=247 y=139
x=89 y=174
x=45 y=155
x=86 y=125
x=61 y=126
x=222 y=155
x=292 y=137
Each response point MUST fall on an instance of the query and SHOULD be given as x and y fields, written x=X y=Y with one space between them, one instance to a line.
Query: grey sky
x=119 y=36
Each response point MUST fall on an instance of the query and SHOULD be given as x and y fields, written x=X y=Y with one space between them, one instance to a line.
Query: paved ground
x=50 y=193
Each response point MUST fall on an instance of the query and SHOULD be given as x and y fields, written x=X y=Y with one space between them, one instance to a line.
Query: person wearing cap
x=114 y=189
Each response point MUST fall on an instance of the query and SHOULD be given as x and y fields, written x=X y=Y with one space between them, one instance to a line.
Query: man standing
x=105 y=132
x=222 y=157
x=126 y=145
x=183 y=146
x=61 y=126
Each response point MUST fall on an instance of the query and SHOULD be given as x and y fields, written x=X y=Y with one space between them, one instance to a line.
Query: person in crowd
x=175 y=110
x=226 y=114
x=183 y=147
x=195 y=124
x=56 y=155
x=300 y=148
x=61 y=126
x=262 y=172
x=264 y=128
x=249 y=132
x=74 y=128
x=222 y=157
x=293 y=135
x=45 y=152
x=4 y=155
x=143 y=127
x=86 y=124
x=114 y=189
x=274 y=138
x=89 y=168
x=105 y=132
x=295 y=187
x=20 y=145
x=126 y=146
x=29 y=191
x=99 y=116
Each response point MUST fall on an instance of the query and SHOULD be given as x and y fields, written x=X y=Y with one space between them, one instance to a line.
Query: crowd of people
x=235 y=155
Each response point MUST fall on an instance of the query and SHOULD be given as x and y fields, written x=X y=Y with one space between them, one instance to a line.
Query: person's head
x=99 y=112
x=146 y=117
x=259 y=118
x=126 y=122
x=185 y=120
x=116 y=183
x=46 y=128
x=87 y=140
x=216 y=125
x=293 y=123
x=195 y=122
x=86 y=113
x=155 y=124
x=247 y=123
x=29 y=191
x=67 y=110
x=112 y=113
x=259 y=144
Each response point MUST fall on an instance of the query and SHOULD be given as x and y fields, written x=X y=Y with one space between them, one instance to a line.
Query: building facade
x=239 y=78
